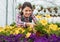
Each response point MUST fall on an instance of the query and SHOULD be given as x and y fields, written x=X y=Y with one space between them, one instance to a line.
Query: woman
x=24 y=19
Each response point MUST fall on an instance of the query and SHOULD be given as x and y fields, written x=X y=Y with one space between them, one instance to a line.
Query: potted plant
x=40 y=25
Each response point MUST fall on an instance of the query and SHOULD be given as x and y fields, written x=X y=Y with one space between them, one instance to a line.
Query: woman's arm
x=19 y=22
x=34 y=19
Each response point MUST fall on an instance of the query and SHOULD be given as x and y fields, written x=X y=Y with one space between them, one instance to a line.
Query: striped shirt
x=21 y=23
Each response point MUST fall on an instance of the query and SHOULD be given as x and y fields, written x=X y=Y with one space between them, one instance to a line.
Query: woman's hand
x=30 y=24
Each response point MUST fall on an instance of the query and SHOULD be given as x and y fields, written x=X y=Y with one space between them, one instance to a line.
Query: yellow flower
x=20 y=29
x=1 y=29
x=28 y=35
x=43 y=22
x=48 y=30
x=38 y=16
x=23 y=30
x=53 y=27
x=47 y=16
x=30 y=29
x=11 y=27
x=14 y=32
x=17 y=28
x=59 y=28
x=7 y=28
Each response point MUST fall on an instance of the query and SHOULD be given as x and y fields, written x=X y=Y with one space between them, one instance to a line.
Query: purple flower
x=25 y=40
x=33 y=36
x=41 y=39
x=53 y=38
x=58 y=38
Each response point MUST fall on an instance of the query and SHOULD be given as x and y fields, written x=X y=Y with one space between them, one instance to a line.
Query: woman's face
x=27 y=11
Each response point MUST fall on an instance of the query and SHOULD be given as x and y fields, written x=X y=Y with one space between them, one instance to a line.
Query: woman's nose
x=28 y=12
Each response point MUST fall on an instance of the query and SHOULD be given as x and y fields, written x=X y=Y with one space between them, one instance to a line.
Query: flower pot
x=38 y=34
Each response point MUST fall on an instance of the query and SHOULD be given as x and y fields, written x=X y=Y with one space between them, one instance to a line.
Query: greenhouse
x=29 y=20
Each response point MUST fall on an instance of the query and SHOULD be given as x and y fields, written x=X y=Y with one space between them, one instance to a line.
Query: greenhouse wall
x=7 y=12
x=8 y=9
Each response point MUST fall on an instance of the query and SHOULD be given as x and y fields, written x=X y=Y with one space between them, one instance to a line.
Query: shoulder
x=33 y=16
x=18 y=15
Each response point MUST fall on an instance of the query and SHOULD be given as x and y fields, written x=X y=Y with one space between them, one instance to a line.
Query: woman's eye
x=29 y=10
x=26 y=10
